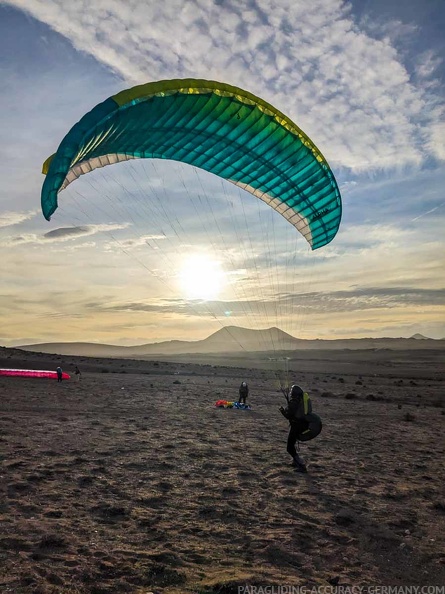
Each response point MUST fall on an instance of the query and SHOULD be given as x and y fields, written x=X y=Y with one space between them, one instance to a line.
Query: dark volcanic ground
x=132 y=481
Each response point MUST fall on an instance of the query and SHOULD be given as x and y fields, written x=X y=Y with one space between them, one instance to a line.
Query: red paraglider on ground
x=33 y=373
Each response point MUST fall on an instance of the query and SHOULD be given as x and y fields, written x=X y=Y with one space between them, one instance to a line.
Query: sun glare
x=201 y=277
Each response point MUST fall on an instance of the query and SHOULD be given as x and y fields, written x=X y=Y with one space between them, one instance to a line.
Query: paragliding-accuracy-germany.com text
x=341 y=589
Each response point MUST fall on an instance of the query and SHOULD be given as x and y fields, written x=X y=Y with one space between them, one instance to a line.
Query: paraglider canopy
x=32 y=373
x=217 y=127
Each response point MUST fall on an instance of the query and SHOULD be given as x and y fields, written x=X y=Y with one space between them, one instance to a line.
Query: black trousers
x=296 y=428
x=242 y=398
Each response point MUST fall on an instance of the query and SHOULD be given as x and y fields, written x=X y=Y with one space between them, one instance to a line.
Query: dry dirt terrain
x=130 y=480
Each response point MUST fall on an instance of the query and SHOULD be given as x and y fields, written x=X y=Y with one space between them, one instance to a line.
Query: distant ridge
x=232 y=339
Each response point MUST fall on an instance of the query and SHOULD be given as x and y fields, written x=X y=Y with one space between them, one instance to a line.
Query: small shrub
x=440 y=506
x=85 y=481
x=110 y=511
x=162 y=575
x=52 y=541
x=345 y=517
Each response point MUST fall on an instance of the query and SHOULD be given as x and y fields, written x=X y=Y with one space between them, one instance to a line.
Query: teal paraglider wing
x=217 y=127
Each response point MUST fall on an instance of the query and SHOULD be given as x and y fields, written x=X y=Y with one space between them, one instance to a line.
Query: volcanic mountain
x=230 y=339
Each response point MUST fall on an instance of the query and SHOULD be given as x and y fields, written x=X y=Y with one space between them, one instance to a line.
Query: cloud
x=141 y=241
x=366 y=298
x=437 y=140
x=62 y=234
x=8 y=219
x=354 y=300
x=427 y=64
x=344 y=83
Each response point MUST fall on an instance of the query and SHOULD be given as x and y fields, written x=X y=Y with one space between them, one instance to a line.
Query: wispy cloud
x=427 y=64
x=343 y=83
x=143 y=241
x=8 y=219
x=437 y=137
x=357 y=299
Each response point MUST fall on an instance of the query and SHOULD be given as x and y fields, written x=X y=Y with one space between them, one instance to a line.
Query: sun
x=201 y=277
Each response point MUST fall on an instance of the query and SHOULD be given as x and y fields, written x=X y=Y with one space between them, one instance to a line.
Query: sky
x=158 y=250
